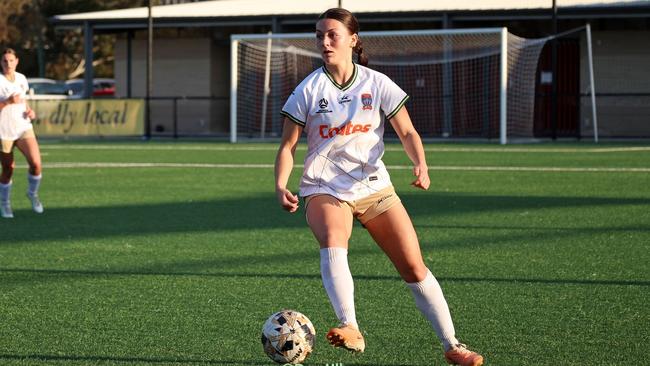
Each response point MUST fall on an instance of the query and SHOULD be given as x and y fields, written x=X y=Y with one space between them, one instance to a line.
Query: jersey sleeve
x=24 y=86
x=295 y=109
x=6 y=89
x=393 y=97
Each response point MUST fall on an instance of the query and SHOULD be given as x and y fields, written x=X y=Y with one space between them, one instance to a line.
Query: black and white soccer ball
x=288 y=337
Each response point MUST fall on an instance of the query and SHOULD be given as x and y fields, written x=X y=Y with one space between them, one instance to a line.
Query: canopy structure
x=237 y=11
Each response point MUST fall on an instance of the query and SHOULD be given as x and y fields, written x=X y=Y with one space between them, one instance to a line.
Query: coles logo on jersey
x=366 y=99
x=349 y=128
x=323 y=103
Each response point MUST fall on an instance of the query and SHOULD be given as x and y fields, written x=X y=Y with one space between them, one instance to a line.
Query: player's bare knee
x=5 y=177
x=332 y=241
x=35 y=169
x=412 y=273
x=7 y=171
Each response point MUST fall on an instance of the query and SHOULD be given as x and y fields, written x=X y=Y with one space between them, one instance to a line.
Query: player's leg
x=28 y=145
x=331 y=222
x=394 y=233
x=8 y=164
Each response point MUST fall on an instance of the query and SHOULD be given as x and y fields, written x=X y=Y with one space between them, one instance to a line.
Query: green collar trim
x=347 y=84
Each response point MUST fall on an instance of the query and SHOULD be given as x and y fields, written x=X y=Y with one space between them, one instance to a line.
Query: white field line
x=274 y=147
x=75 y=165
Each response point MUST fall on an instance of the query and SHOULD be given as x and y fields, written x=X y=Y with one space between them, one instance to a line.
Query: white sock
x=338 y=283
x=5 y=192
x=431 y=302
x=34 y=182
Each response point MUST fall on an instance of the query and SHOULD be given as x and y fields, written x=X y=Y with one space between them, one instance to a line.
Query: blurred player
x=340 y=107
x=16 y=130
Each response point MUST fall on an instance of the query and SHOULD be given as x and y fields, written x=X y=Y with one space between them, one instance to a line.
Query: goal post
x=234 y=71
x=463 y=83
x=503 y=88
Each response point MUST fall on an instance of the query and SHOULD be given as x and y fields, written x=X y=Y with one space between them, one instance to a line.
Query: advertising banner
x=88 y=117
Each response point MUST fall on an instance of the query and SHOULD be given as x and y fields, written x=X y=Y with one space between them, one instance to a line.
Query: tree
x=10 y=10
x=57 y=54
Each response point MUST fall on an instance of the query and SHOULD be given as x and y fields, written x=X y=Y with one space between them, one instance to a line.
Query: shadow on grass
x=261 y=212
x=252 y=213
x=133 y=360
x=150 y=360
x=316 y=277
x=485 y=236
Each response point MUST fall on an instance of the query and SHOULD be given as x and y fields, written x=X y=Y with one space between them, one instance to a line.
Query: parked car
x=102 y=87
x=43 y=88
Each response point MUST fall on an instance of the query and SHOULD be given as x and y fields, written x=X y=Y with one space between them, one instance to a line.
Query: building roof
x=260 y=8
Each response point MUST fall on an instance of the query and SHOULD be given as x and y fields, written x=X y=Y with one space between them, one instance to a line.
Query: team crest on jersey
x=323 y=103
x=366 y=100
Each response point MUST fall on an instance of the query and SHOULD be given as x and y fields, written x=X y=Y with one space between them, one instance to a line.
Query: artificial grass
x=182 y=265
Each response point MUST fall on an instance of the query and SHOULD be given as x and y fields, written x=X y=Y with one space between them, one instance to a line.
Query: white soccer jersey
x=345 y=127
x=13 y=122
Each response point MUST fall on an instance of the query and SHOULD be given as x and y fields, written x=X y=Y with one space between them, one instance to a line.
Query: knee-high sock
x=34 y=182
x=431 y=302
x=5 y=192
x=338 y=283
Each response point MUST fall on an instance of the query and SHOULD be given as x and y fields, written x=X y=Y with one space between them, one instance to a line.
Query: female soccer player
x=340 y=106
x=16 y=129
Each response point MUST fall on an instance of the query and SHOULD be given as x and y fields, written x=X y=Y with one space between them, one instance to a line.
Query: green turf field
x=160 y=253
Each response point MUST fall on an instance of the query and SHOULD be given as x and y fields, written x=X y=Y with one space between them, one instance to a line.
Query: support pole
x=554 y=72
x=129 y=64
x=592 y=86
x=147 y=132
x=88 y=55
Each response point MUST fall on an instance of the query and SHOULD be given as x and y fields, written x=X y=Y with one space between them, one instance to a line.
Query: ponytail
x=362 y=59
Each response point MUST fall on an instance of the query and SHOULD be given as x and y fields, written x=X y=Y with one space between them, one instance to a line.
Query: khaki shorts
x=8 y=145
x=369 y=207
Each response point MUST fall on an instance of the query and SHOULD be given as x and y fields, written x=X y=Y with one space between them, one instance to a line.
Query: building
x=191 y=50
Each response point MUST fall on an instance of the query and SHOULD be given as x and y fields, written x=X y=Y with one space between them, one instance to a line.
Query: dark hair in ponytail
x=362 y=59
x=350 y=22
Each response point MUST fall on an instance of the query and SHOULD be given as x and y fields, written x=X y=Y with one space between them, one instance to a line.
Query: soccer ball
x=288 y=337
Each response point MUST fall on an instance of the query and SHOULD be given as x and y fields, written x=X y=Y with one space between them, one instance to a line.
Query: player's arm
x=12 y=99
x=284 y=165
x=29 y=113
x=412 y=143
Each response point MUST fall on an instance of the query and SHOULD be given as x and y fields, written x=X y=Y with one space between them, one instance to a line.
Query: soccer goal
x=463 y=83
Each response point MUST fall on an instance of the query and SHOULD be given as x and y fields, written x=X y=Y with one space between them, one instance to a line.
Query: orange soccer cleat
x=348 y=337
x=459 y=355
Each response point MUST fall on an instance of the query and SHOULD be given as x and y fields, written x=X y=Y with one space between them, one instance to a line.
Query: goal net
x=464 y=83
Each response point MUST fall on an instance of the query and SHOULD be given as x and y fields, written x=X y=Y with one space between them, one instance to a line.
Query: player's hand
x=288 y=200
x=421 y=173
x=29 y=113
x=14 y=99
